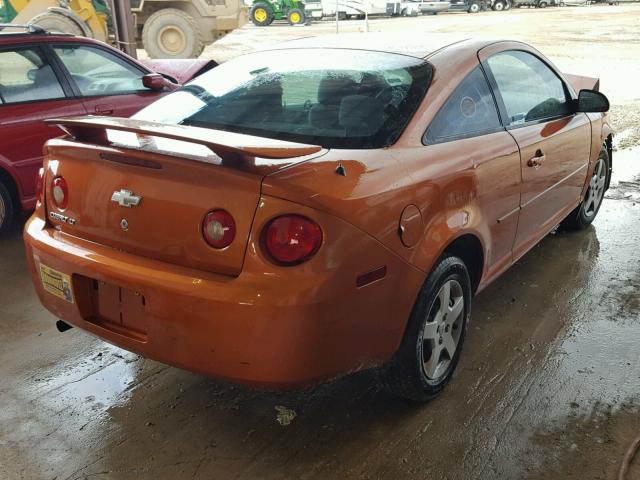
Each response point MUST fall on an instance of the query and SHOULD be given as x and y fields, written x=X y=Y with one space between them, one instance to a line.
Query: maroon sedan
x=46 y=75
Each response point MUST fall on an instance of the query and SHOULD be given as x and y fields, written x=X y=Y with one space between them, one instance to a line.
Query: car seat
x=331 y=90
x=361 y=116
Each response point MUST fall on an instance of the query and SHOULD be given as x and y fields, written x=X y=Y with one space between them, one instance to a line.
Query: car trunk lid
x=176 y=175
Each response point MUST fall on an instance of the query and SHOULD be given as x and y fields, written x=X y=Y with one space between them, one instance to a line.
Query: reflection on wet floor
x=626 y=175
x=548 y=387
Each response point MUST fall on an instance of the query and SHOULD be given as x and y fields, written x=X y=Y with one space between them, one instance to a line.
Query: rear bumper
x=260 y=328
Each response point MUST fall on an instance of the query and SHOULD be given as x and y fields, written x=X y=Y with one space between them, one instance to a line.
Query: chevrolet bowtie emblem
x=125 y=198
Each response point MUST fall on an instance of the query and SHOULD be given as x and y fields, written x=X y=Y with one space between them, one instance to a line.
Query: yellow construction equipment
x=80 y=17
x=167 y=29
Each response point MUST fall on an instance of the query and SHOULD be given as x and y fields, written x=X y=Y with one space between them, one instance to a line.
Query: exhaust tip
x=62 y=326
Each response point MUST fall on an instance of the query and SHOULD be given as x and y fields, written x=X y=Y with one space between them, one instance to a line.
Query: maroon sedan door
x=30 y=91
x=555 y=142
x=107 y=82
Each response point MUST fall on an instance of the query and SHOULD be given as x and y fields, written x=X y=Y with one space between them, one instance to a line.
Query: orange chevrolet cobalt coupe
x=316 y=209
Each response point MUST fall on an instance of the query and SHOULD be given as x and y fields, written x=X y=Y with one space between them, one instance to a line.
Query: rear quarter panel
x=448 y=182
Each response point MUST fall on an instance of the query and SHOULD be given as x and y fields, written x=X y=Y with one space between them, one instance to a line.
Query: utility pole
x=124 y=27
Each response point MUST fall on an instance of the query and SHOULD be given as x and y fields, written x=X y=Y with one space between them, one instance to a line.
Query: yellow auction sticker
x=56 y=283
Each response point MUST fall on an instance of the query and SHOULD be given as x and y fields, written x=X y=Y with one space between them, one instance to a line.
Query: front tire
x=295 y=16
x=7 y=209
x=499 y=6
x=474 y=8
x=432 y=343
x=585 y=213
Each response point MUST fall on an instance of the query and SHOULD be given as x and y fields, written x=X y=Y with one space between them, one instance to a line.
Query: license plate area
x=112 y=307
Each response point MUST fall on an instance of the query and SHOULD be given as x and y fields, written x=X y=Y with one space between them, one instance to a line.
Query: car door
x=106 y=81
x=467 y=131
x=555 y=142
x=31 y=90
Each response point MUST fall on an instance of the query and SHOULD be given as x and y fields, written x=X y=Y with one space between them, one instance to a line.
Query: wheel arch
x=608 y=144
x=467 y=244
x=7 y=179
x=470 y=250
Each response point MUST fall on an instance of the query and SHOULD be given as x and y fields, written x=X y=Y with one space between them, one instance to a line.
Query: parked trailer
x=346 y=8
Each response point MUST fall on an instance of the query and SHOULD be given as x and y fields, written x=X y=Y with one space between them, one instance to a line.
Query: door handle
x=104 y=109
x=536 y=161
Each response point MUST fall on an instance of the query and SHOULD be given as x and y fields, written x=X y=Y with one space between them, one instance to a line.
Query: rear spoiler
x=579 y=82
x=230 y=147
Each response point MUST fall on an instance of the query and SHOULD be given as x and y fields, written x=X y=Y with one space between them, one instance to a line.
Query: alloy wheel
x=443 y=329
x=595 y=192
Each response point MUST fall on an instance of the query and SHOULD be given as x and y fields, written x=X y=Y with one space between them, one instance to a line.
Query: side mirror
x=157 y=82
x=590 y=101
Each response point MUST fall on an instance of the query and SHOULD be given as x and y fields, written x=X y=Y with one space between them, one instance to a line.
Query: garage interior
x=548 y=387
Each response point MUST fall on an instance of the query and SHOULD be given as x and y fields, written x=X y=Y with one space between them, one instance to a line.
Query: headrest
x=332 y=89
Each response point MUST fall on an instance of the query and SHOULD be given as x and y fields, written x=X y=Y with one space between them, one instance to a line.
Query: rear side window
x=99 y=72
x=332 y=97
x=530 y=90
x=26 y=76
x=470 y=111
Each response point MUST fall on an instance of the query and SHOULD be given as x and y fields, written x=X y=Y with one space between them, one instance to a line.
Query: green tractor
x=264 y=12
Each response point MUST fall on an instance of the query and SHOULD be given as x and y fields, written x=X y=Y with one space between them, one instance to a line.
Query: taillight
x=219 y=228
x=292 y=239
x=40 y=185
x=60 y=193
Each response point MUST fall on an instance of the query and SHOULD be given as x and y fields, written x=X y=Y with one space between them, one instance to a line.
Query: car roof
x=422 y=47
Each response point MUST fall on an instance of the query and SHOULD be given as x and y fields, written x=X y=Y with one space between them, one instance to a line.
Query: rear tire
x=499 y=6
x=424 y=364
x=585 y=213
x=261 y=15
x=57 y=23
x=172 y=33
x=7 y=209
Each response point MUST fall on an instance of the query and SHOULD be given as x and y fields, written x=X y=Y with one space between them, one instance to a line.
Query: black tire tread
x=401 y=376
x=576 y=219
x=10 y=212
x=269 y=19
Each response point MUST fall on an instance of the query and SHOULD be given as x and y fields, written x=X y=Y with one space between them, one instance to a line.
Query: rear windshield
x=335 y=98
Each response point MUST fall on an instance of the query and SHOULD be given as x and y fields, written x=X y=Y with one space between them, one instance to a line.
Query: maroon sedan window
x=99 y=72
x=332 y=97
x=26 y=76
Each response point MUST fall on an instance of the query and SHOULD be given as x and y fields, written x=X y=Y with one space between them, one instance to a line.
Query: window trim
x=44 y=54
x=477 y=133
x=77 y=93
x=569 y=96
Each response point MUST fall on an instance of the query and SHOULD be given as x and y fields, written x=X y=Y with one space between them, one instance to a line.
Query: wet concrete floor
x=548 y=386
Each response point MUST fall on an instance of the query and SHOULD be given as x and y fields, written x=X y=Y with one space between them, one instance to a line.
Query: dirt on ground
x=548 y=386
